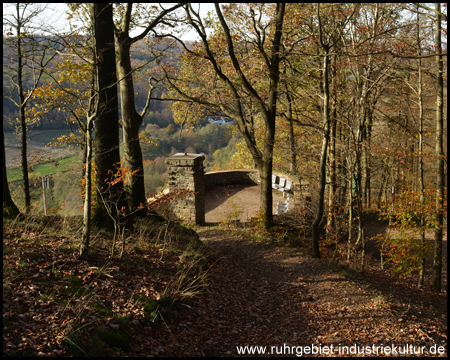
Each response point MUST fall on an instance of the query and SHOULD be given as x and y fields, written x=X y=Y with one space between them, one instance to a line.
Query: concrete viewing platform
x=187 y=177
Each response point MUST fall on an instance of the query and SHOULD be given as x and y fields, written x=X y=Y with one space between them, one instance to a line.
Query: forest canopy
x=350 y=98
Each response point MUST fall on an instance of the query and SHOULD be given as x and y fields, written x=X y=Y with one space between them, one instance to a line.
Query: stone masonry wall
x=186 y=177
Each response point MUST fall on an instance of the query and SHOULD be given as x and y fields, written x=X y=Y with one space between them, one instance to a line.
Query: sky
x=54 y=15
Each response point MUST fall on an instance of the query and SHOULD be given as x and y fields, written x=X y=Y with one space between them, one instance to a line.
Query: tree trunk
x=269 y=115
x=332 y=159
x=22 y=120
x=10 y=209
x=343 y=171
x=293 y=155
x=266 y=174
x=107 y=156
x=437 y=266
x=368 y=162
x=33 y=54
x=359 y=146
x=88 y=195
x=352 y=208
x=323 y=157
x=421 y=165
x=132 y=122
x=23 y=157
x=359 y=199
x=363 y=250
x=268 y=109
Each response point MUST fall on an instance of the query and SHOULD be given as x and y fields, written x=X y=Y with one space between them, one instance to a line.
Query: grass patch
x=345 y=274
x=379 y=300
x=114 y=338
x=151 y=306
x=98 y=341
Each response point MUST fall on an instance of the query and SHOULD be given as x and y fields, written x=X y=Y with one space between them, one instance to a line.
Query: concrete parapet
x=230 y=177
x=250 y=177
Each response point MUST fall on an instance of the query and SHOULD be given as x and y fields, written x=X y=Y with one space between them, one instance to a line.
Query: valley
x=63 y=163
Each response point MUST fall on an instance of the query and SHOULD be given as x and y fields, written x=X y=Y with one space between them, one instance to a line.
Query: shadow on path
x=258 y=294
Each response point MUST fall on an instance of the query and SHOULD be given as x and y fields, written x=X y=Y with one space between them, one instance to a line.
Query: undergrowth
x=91 y=306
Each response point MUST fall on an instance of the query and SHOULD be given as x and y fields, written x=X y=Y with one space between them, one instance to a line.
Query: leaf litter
x=255 y=294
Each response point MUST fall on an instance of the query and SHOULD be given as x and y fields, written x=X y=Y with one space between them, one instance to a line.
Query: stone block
x=186 y=173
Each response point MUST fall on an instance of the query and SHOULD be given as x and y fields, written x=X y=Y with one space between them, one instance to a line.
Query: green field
x=41 y=139
x=47 y=168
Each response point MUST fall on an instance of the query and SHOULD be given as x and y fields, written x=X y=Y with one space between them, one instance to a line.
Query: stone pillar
x=186 y=176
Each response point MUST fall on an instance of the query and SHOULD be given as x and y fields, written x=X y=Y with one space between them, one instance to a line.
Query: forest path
x=258 y=294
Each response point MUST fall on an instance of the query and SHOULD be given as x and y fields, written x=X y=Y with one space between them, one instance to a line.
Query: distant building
x=222 y=120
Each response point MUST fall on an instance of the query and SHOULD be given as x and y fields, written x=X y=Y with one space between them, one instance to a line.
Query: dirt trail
x=261 y=295
x=251 y=299
x=258 y=294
